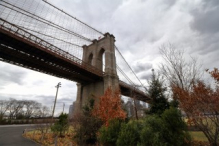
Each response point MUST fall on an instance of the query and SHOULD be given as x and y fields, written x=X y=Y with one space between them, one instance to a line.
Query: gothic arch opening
x=90 y=59
x=101 y=58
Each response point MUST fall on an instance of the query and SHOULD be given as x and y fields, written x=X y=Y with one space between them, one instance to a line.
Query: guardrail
x=12 y=28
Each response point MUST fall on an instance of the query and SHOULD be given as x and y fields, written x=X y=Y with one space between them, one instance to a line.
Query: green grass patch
x=198 y=135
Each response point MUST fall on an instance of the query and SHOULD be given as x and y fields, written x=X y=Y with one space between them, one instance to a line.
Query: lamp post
x=57 y=86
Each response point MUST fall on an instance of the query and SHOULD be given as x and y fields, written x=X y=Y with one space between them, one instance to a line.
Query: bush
x=61 y=125
x=108 y=135
x=167 y=130
x=176 y=127
x=129 y=134
x=152 y=133
x=86 y=125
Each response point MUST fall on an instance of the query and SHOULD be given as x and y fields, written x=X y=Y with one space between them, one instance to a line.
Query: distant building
x=71 y=108
x=129 y=109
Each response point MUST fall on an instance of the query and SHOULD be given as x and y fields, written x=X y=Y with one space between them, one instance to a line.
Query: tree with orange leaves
x=201 y=105
x=109 y=107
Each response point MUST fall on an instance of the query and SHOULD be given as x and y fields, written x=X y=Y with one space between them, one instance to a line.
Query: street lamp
x=57 y=86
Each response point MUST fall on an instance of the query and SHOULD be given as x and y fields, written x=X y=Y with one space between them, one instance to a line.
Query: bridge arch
x=90 y=59
x=98 y=53
x=101 y=57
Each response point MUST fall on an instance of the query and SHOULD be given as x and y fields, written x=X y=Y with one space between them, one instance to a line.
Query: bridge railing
x=13 y=29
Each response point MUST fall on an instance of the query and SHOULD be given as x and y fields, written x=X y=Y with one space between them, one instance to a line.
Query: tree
x=178 y=70
x=32 y=108
x=4 y=106
x=44 y=112
x=86 y=125
x=109 y=135
x=129 y=134
x=109 y=107
x=201 y=105
x=61 y=125
x=156 y=91
x=166 y=130
x=15 y=108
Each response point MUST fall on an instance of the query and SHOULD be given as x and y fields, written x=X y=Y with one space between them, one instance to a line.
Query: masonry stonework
x=93 y=55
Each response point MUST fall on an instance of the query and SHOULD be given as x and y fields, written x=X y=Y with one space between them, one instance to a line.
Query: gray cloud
x=140 y=67
x=145 y=76
x=206 y=18
x=11 y=74
x=205 y=23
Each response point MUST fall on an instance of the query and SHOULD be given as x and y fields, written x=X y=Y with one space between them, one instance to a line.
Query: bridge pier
x=93 y=55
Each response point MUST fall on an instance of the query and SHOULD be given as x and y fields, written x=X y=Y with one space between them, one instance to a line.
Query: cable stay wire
x=129 y=67
x=72 y=17
x=69 y=31
x=46 y=21
x=50 y=36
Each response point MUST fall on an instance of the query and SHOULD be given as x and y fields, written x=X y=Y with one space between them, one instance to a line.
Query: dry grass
x=199 y=136
x=49 y=138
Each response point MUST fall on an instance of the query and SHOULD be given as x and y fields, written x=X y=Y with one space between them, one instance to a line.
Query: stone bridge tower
x=93 y=55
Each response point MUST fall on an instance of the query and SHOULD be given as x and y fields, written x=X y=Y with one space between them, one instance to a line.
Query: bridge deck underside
x=21 y=52
x=18 y=51
x=133 y=93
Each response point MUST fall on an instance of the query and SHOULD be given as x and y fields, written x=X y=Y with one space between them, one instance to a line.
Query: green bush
x=108 y=135
x=176 y=133
x=167 y=130
x=129 y=134
x=61 y=125
x=153 y=131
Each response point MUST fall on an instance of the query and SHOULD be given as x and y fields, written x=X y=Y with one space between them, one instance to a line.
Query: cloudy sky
x=140 y=28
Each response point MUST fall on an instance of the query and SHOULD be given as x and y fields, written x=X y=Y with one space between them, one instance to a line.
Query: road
x=11 y=135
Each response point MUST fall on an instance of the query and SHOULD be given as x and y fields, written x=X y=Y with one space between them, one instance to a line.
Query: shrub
x=167 y=130
x=176 y=127
x=108 y=135
x=86 y=125
x=129 y=134
x=61 y=125
x=152 y=133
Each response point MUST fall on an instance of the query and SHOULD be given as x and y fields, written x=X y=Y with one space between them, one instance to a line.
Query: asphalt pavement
x=11 y=135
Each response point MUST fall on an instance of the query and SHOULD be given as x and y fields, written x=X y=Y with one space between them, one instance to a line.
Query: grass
x=49 y=138
x=198 y=135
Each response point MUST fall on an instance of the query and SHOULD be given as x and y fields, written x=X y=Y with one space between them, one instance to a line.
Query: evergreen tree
x=61 y=125
x=156 y=92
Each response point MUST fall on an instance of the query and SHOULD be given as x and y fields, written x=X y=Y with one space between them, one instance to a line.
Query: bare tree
x=32 y=108
x=4 y=106
x=22 y=108
x=11 y=108
x=45 y=111
x=178 y=70
x=18 y=108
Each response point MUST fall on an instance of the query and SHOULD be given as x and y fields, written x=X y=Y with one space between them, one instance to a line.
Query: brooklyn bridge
x=35 y=34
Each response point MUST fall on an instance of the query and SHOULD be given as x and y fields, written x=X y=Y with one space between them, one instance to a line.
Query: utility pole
x=63 y=108
x=57 y=86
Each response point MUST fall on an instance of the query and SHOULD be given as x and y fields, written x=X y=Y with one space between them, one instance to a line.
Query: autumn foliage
x=201 y=105
x=109 y=107
x=215 y=74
